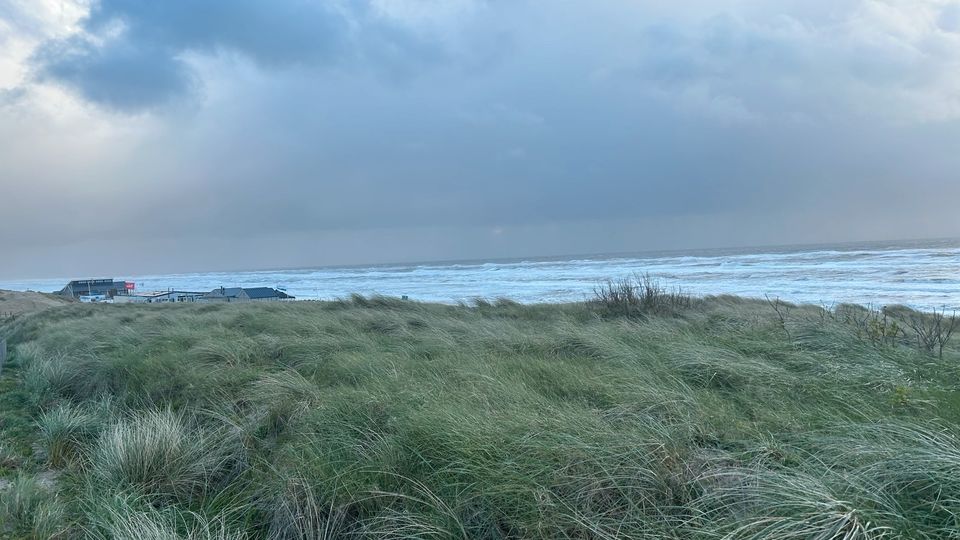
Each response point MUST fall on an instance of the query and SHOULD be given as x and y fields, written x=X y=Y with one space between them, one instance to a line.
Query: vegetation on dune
x=641 y=414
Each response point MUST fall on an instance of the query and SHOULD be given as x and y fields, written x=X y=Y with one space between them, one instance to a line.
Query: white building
x=159 y=297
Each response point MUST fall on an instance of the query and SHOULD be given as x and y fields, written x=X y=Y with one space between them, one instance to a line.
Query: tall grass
x=21 y=497
x=643 y=413
x=66 y=429
x=163 y=452
x=129 y=518
x=297 y=511
x=30 y=510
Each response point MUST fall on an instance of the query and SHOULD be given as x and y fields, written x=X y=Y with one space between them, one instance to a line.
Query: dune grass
x=379 y=418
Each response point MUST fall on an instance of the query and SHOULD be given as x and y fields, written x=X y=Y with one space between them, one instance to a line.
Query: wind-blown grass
x=130 y=518
x=665 y=417
x=163 y=452
x=66 y=429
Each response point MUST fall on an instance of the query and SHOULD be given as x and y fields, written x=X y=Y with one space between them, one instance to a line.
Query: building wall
x=130 y=299
x=178 y=297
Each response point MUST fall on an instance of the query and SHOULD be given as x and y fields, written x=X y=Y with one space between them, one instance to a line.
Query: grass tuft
x=164 y=452
x=124 y=517
x=66 y=430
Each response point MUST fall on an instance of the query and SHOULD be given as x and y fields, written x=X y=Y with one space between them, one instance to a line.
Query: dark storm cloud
x=126 y=75
x=131 y=55
x=272 y=33
x=435 y=129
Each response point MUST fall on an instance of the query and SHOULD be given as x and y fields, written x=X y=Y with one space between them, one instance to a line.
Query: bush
x=639 y=295
x=932 y=330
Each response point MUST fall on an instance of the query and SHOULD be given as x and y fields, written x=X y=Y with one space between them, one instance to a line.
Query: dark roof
x=257 y=293
x=253 y=293
x=79 y=286
x=85 y=282
x=222 y=292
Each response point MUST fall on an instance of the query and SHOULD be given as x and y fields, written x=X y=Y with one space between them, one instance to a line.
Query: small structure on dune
x=246 y=294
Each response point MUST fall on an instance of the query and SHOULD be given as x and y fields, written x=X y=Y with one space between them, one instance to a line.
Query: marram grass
x=666 y=418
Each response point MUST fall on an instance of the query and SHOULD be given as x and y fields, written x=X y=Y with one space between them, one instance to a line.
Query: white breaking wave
x=924 y=275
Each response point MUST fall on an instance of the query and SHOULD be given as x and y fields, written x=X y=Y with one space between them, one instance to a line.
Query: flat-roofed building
x=159 y=297
x=95 y=287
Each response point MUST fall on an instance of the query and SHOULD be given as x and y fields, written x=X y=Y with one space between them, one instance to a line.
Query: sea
x=921 y=274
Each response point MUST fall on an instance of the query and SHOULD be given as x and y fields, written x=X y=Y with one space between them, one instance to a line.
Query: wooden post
x=3 y=353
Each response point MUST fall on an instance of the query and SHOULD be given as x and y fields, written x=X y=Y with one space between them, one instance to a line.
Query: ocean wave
x=924 y=277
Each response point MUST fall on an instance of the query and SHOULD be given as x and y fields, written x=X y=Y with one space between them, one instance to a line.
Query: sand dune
x=14 y=303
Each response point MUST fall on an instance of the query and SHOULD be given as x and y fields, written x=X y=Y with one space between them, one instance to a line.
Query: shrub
x=639 y=295
x=932 y=330
x=878 y=326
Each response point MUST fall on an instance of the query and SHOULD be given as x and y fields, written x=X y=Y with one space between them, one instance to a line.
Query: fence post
x=3 y=353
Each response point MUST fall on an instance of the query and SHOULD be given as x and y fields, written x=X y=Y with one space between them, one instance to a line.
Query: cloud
x=130 y=54
x=204 y=122
x=123 y=74
x=740 y=63
x=949 y=19
x=10 y=96
x=882 y=59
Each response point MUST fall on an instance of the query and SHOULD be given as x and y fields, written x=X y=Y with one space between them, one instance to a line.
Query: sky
x=187 y=135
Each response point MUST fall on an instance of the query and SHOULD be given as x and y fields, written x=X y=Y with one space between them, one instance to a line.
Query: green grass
x=379 y=418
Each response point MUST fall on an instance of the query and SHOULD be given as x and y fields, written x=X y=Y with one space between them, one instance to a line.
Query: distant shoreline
x=921 y=274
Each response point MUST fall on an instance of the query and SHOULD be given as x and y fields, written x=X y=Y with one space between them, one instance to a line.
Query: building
x=95 y=287
x=159 y=297
x=251 y=294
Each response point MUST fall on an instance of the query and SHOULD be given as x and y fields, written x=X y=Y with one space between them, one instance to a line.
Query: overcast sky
x=145 y=136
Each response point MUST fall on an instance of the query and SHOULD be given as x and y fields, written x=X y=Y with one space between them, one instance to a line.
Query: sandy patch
x=13 y=303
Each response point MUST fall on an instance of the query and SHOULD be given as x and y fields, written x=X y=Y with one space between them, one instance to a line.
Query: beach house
x=246 y=294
